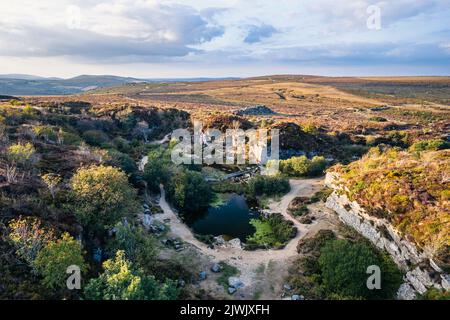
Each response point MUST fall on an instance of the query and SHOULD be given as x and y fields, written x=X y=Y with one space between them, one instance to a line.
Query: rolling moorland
x=86 y=179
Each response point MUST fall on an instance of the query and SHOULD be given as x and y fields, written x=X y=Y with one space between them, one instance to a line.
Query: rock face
x=424 y=275
x=258 y=110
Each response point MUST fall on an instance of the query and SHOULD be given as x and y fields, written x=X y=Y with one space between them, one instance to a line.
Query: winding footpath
x=247 y=261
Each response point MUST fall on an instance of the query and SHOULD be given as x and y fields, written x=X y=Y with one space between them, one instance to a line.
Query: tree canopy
x=102 y=195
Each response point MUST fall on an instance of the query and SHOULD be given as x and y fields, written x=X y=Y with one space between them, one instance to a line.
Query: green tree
x=122 y=281
x=54 y=259
x=156 y=171
x=138 y=246
x=101 y=196
x=189 y=191
x=268 y=185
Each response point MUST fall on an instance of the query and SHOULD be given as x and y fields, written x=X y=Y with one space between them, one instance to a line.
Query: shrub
x=95 y=137
x=29 y=236
x=121 y=160
x=121 y=280
x=378 y=119
x=268 y=185
x=343 y=266
x=138 y=246
x=435 y=144
x=54 y=259
x=22 y=154
x=302 y=166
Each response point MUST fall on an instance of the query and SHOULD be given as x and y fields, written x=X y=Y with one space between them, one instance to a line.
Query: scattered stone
x=147 y=221
x=287 y=287
x=235 y=243
x=146 y=206
x=231 y=290
x=202 y=275
x=181 y=283
x=297 y=297
x=235 y=282
x=216 y=268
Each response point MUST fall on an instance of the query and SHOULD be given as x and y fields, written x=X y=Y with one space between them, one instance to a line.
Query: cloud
x=112 y=30
x=257 y=33
x=229 y=32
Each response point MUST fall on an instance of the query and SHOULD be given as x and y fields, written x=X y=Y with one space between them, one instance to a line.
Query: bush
x=121 y=280
x=378 y=119
x=101 y=195
x=121 y=160
x=302 y=166
x=268 y=185
x=54 y=259
x=343 y=266
x=138 y=246
x=95 y=137
x=436 y=144
x=22 y=154
x=29 y=236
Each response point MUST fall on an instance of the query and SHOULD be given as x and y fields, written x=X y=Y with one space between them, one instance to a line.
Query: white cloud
x=229 y=33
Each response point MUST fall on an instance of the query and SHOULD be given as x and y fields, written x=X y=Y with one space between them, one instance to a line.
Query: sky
x=224 y=38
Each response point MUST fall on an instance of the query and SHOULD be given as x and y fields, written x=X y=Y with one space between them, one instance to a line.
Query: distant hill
x=17 y=84
x=20 y=76
x=29 y=85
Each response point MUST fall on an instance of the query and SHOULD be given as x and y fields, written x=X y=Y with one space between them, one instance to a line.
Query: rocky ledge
x=421 y=272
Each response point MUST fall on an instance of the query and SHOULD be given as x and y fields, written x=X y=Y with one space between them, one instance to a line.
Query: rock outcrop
x=421 y=271
x=259 y=110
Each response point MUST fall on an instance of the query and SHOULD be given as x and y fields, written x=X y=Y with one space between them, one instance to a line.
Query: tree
x=156 y=171
x=268 y=185
x=122 y=281
x=189 y=191
x=54 y=259
x=51 y=180
x=343 y=266
x=138 y=246
x=28 y=237
x=101 y=196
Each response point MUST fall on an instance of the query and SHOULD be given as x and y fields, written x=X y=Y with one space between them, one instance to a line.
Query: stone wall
x=421 y=273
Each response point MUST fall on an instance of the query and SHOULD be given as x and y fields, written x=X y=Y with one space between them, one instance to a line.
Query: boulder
x=216 y=268
x=231 y=290
x=147 y=220
x=287 y=287
x=202 y=275
x=235 y=282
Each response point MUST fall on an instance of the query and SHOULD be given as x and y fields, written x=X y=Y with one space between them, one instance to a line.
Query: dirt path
x=247 y=261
